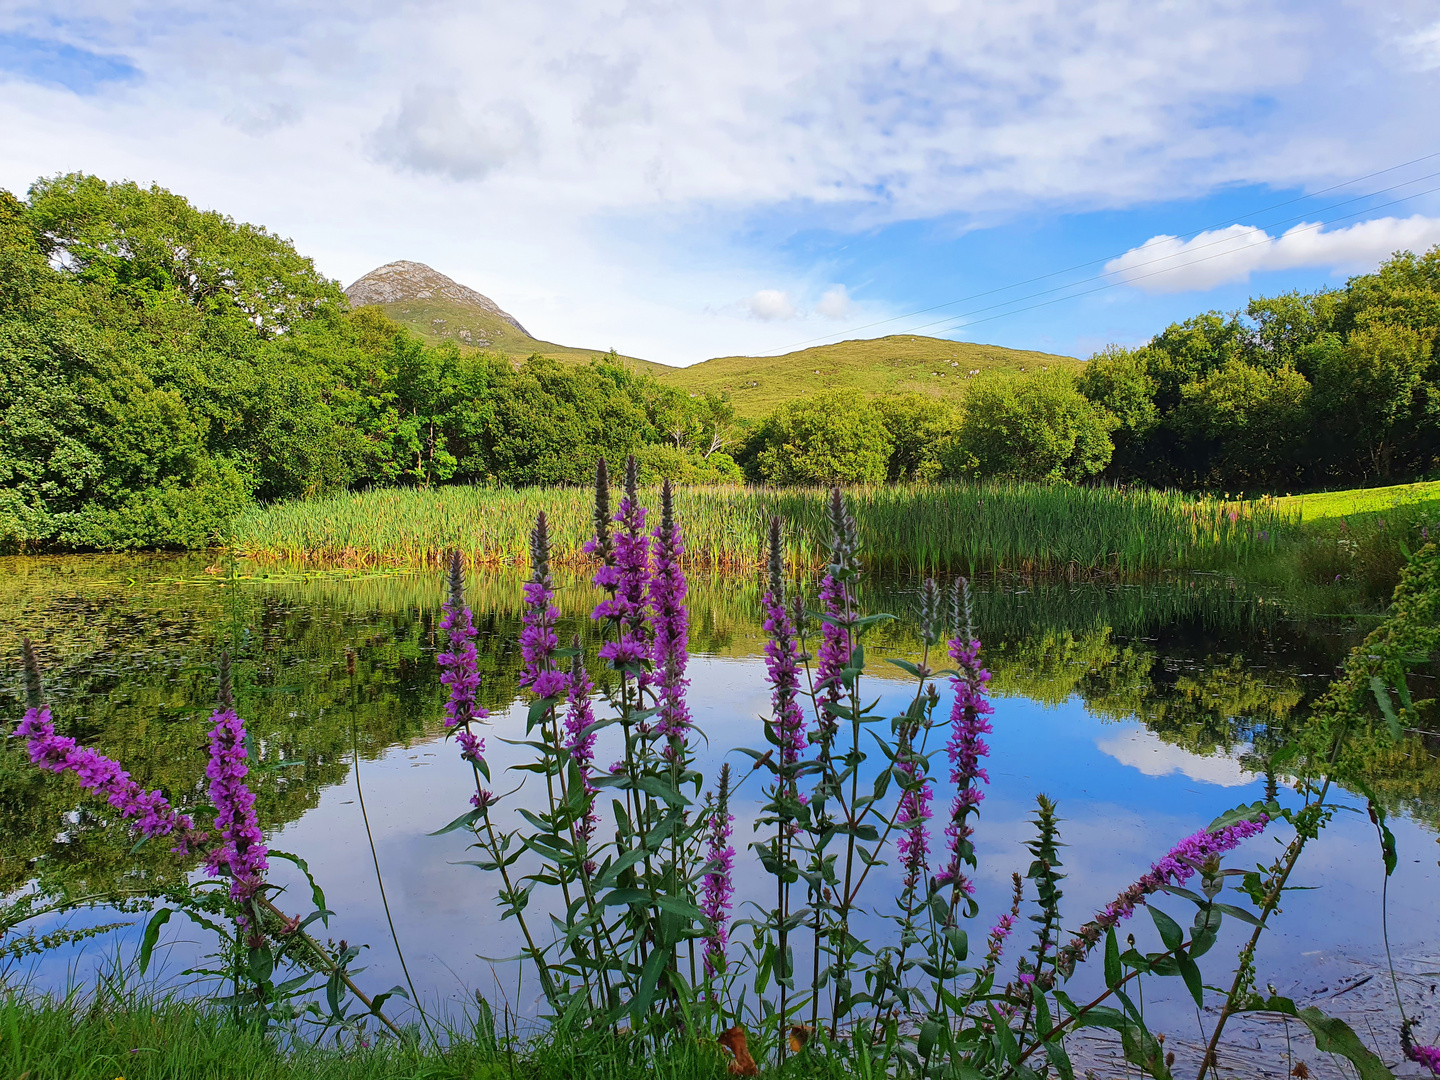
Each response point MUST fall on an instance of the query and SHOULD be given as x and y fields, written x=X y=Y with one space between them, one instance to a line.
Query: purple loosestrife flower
x=460 y=671
x=627 y=607
x=965 y=747
x=914 y=812
x=782 y=658
x=579 y=738
x=670 y=620
x=242 y=852
x=537 y=636
x=1429 y=1056
x=602 y=545
x=152 y=814
x=1175 y=868
x=719 y=886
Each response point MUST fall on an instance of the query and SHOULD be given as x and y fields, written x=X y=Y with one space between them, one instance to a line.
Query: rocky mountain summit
x=404 y=281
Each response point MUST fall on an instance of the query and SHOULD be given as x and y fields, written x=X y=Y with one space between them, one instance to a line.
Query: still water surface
x=1144 y=710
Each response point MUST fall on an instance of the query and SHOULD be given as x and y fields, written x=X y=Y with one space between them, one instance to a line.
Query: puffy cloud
x=1151 y=755
x=434 y=132
x=1167 y=264
x=770 y=305
x=836 y=303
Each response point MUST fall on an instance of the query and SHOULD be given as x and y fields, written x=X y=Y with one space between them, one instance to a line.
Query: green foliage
x=919 y=427
x=827 y=438
x=1031 y=428
x=1333 y=387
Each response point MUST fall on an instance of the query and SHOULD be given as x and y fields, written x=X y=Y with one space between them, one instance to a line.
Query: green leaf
x=1113 y=972
x=1170 y=932
x=463 y=821
x=1238 y=913
x=378 y=1001
x=661 y=790
x=929 y=1032
x=1191 y=974
x=317 y=895
x=649 y=980
x=1334 y=1036
x=1243 y=813
x=683 y=908
x=262 y=965
x=152 y=935
x=1387 y=707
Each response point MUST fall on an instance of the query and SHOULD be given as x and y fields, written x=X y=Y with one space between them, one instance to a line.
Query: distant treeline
x=161 y=368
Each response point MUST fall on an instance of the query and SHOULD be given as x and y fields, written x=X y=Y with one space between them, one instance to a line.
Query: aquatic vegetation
x=637 y=869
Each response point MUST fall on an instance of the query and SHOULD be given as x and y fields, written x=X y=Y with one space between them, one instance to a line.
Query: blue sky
x=688 y=180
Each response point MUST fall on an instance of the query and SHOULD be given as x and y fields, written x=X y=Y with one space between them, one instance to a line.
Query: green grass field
x=1328 y=505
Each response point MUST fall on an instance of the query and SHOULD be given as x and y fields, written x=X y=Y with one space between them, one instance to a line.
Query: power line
x=1203 y=247
x=961 y=319
x=1107 y=258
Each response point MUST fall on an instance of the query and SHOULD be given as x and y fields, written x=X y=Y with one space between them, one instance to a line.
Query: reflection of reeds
x=965 y=527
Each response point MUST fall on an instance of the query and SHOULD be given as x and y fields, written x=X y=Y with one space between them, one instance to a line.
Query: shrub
x=1034 y=427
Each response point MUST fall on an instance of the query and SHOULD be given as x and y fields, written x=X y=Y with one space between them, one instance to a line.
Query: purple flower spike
x=719 y=885
x=242 y=852
x=914 y=811
x=152 y=814
x=538 y=640
x=460 y=671
x=579 y=736
x=782 y=658
x=626 y=578
x=670 y=620
x=460 y=668
x=965 y=747
x=1429 y=1056
x=1177 y=867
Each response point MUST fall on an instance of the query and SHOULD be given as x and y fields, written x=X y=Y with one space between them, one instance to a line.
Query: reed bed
x=983 y=527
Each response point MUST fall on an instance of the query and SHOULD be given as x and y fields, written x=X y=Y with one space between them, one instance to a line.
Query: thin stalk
x=375 y=858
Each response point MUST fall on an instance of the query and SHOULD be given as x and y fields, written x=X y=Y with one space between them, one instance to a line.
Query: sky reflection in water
x=1125 y=793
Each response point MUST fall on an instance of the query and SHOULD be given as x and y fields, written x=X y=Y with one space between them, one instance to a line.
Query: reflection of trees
x=130 y=670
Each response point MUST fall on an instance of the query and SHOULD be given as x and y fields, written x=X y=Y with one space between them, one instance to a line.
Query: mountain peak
x=403 y=280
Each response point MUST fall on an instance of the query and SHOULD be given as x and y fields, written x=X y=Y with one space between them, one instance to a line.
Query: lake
x=1143 y=709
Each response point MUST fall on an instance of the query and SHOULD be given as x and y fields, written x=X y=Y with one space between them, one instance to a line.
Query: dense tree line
x=161 y=367
x=1333 y=388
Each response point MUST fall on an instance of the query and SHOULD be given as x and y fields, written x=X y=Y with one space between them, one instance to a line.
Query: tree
x=1031 y=427
x=833 y=437
x=1245 y=425
x=1118 y=380
x=1368 y=390
x=919 y=427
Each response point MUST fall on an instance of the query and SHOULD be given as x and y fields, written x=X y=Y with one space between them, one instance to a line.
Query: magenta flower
x=460 y=667
x=580 y=738
x=152 y=814
x=719 y=886
x=460 y=671
x=965 y=748
x=1429 y=1056
x=782 y=659
x=670 y=622
x=242 y=852
x=538 y=640
x=914 y=811
x=1175 y=868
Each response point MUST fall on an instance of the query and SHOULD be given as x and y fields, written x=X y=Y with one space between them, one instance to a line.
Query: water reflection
x=1144 y=709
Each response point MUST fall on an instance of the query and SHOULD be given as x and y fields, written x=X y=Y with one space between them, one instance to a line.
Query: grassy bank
x=966 y=528
x=130 y=1037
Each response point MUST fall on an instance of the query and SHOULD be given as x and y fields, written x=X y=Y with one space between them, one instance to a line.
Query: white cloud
x=770 y=304
x=836 y=303
x=593 y=165
x=1144 y=750
x=1167 y=264
x=433 y=131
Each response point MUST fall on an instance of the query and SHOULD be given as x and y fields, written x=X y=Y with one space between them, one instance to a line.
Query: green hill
x=901 y=363
x=437 y=308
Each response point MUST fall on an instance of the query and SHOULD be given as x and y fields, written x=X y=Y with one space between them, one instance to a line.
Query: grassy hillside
x=897 y=364
x=439 y=319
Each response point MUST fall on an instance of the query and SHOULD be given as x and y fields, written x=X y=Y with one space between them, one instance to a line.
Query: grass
x=901 y=363
x=131 y=1037
x=965 y=527
x=1329 y=505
